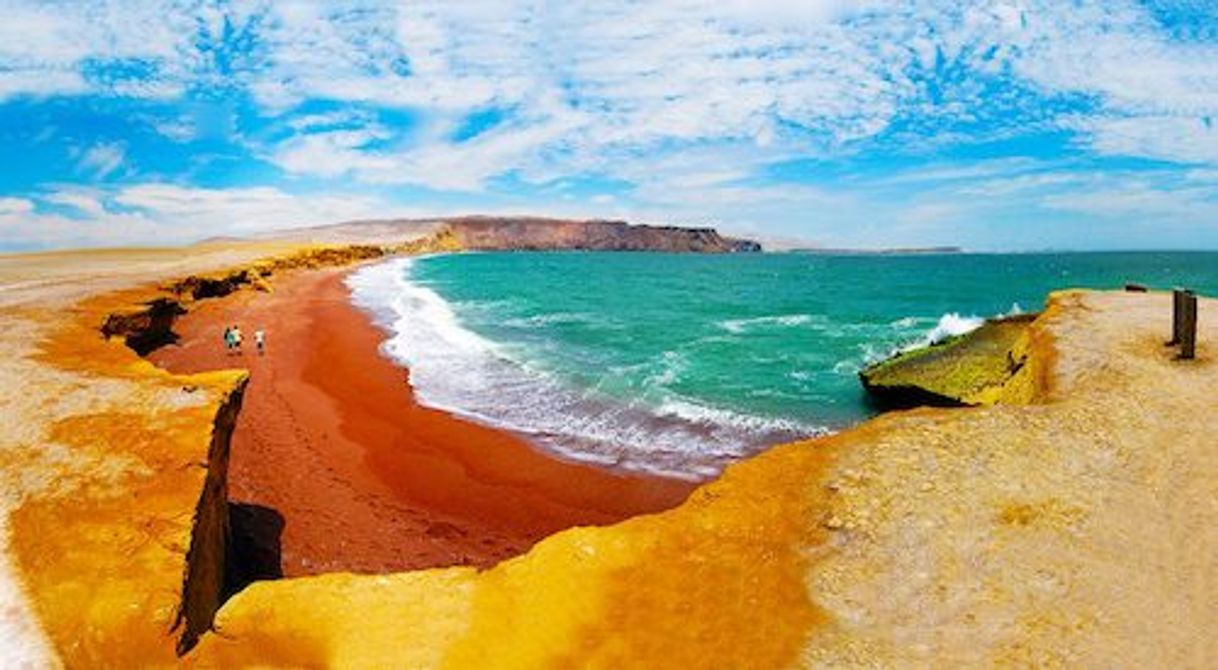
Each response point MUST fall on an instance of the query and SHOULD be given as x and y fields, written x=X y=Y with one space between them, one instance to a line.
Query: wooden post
x=1188 y=326
x=1177 y=301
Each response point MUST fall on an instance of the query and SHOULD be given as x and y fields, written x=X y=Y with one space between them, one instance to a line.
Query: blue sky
x=992 y=124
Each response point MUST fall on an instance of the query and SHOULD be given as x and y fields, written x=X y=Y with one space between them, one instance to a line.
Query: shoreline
x=333 y=454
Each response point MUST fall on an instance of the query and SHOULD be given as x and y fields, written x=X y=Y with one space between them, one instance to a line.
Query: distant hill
x=524 y=232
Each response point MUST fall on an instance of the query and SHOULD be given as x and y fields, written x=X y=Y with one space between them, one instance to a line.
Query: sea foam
x=737 y=326
x=953 y=325
x=457 y=370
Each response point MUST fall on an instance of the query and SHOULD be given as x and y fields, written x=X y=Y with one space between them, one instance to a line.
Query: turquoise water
x=680 y=363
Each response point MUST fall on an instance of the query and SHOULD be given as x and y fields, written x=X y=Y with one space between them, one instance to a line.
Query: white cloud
x=15 y=206
x=1150 y=204
x=332 y=153
x=595 y=90
x=31 y=229
x=83 y=202
x=1170 y=138
x=102 y=159
x=50 y=49
x=640 y=77
x=342 y=118
x=684 y=105
x=155 y=213
x=178 y=130
x=242 y=210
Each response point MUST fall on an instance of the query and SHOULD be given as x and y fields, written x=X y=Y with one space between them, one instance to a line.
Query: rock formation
x=968 y=369
x=548 y=234
x=530 y=233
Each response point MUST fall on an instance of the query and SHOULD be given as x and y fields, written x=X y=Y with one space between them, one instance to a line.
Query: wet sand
x=332 y=453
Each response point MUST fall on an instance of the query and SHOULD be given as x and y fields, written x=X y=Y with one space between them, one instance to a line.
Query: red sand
x=366 y=479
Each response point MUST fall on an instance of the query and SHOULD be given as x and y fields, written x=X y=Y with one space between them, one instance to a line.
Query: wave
x=697 y=413
x=952 y=325
x=457 y=370
x=737 y=326
x=542 y=320
x=949 y=325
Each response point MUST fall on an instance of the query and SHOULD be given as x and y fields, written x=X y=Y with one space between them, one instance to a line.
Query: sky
x=987 y=124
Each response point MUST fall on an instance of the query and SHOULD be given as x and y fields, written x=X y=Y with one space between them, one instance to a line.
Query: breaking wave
x=457 y=370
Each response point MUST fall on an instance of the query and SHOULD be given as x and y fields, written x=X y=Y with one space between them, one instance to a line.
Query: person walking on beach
x=228 y=340
x=236 y=334
x=260 y=341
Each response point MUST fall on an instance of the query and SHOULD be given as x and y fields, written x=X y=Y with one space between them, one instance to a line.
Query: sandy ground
x=362 y=477
x=1076 y=531
x=37 y=292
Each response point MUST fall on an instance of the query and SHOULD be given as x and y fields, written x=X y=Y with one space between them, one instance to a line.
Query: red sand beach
x=366 y=479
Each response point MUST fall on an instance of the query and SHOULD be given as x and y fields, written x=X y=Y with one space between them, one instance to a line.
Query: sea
x=680 y=364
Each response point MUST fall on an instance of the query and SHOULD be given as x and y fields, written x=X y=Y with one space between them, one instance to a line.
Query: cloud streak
x=670 y=109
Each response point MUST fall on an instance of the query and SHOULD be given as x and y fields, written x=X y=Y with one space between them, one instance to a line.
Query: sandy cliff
x=113 y=471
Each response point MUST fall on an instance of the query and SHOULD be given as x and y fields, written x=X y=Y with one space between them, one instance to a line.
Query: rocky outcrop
x=121 y=530
x=964 y=370
x=201 y=287
x=526 y=233
x=485 y=233
x=146 y=328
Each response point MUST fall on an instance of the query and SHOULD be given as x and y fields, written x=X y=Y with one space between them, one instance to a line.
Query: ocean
x=680 y=364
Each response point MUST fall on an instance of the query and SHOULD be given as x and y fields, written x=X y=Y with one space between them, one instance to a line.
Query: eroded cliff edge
x=116 y=507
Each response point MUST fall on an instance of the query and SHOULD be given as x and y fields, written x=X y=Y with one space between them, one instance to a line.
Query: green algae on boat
x=959 y=371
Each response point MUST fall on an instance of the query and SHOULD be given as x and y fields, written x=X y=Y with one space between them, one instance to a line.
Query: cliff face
x=206 y=568
x=548 y=234
x=525 y=233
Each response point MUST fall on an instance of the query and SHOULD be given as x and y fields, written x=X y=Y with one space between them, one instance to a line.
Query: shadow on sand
x=254 y=550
